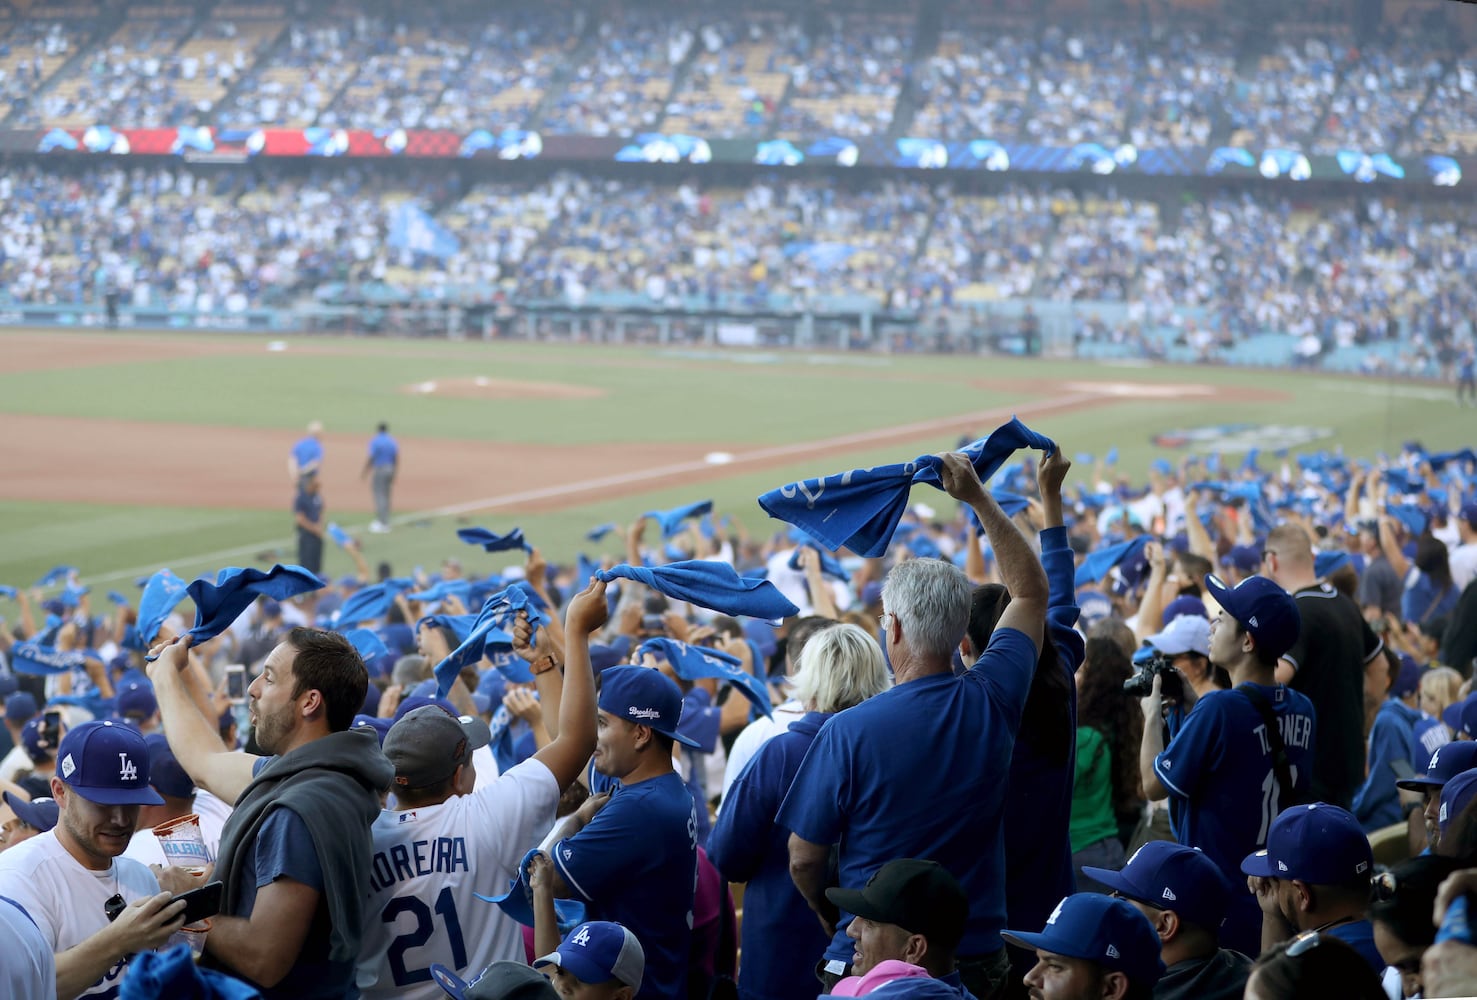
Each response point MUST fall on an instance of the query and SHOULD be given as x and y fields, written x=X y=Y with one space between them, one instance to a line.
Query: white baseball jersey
x=428 y=862
x=27 y=966
x=66 y=900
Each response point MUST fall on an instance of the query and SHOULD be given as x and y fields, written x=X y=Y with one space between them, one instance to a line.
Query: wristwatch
x=543 y=665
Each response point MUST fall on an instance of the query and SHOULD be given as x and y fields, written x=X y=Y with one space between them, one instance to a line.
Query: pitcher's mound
x=482 y=387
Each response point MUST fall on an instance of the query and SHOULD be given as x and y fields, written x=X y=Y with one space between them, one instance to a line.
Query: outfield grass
x=652 y=394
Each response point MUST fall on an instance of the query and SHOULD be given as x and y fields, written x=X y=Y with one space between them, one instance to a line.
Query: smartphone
x=51 y=730
x=1403 y=770
x=236 y=682
x=202 y=902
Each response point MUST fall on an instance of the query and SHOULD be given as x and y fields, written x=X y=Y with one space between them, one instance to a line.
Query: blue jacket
x=1038 y=806
x=1377 y=802
x=781 y=936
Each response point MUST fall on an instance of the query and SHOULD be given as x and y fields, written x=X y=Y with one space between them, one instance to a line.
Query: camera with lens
x=1151 y=662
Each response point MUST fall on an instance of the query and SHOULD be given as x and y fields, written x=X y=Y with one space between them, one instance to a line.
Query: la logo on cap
x=582 y=938
x=126 y=769
x=1435 y=758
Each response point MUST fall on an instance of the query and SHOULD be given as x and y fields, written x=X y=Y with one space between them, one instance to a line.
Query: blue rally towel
x=366 y=605
x=1097 y=564
x=31 y=657
x=861 y=508
x=366 y=642
x=7 y=591
x=1325 y=563
x=55 y=575
x=219 y=604
x=163 y=591
x=708 y=584
x=600 y=531
x=1011 y=504
x=829 y=565
x=460 y=625
x=440 y=590
x=694 y=662
x=671 y=520
x=173 y=974
x=517 y=902
x=117 y=598
x=494 y=543
x=1441 y=459
x=490 y=627
x=340 y=536
x=1410 y=515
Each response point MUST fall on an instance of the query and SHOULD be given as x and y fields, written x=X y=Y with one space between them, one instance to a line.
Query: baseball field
x=125 y=452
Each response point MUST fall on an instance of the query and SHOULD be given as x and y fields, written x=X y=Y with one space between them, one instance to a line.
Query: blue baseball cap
x=1446 y=763
x=137 y=700
x=417 y=701
x=645 y=697
x=20 y=708
x=1100 y=929
x=1455 y=796
x=165 y=772
x=8 y=685
x=1245 y=558
x=1316 y=843
x=1461 y=717
x=107 y=764
x=599 y=952
x=1170 y=876
x=1408 y=681
x=1264 y=609
x=380 y=726
x=35 y=747
x=41 y=814
x=1181 y=606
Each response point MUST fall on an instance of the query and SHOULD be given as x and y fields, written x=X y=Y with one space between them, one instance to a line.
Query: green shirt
x=1092 y=791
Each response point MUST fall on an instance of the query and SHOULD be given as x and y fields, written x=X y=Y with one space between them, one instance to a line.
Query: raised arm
x=1200 y=541
x=195 y=740
x=565 y=757
x=1056 y=559
x=1391 y=547
x=1019 y=569
x=822 y=602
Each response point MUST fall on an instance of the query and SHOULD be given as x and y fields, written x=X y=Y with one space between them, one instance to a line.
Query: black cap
x=919 y=896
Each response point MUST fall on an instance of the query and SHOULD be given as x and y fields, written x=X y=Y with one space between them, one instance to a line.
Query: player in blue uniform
x=1220 y=771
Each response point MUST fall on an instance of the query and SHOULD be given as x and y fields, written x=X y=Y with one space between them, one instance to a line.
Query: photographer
x=1241 y=756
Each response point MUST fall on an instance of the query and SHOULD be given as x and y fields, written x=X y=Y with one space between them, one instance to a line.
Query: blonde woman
x=840 y=667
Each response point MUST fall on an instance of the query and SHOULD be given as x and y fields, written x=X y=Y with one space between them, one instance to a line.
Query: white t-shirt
x=427 y=864
x=755 y=735
x=27 y=966
x=66 y=900
x=14 y=763
x=144 y=846
x=1463 y=562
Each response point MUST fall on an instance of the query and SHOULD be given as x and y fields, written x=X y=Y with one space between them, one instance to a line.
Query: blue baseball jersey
x=383 y=451
x=919 y=772
x=636 y=863
x=307 y=452
x=1430 y=735
x=1219 y=773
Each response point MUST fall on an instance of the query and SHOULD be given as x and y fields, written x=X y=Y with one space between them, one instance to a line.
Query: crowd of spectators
x=1347 y=271
x=1316 y=85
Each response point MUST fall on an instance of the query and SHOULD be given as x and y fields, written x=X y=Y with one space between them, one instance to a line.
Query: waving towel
x=695 y=662
x=671 y=520
x=494 y=543
x=708 y=584
x=219 y=604
x=32 y=657
x=860 y=509
x=829 y=564
x=491 y=626
x=1099 y=563
x=600 y=531
x=517 y=902
x=161 y=594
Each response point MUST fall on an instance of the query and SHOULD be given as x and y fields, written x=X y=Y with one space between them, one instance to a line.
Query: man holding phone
x=95 y=908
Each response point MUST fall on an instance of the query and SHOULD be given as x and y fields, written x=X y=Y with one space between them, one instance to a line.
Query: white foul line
x=660 y=472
